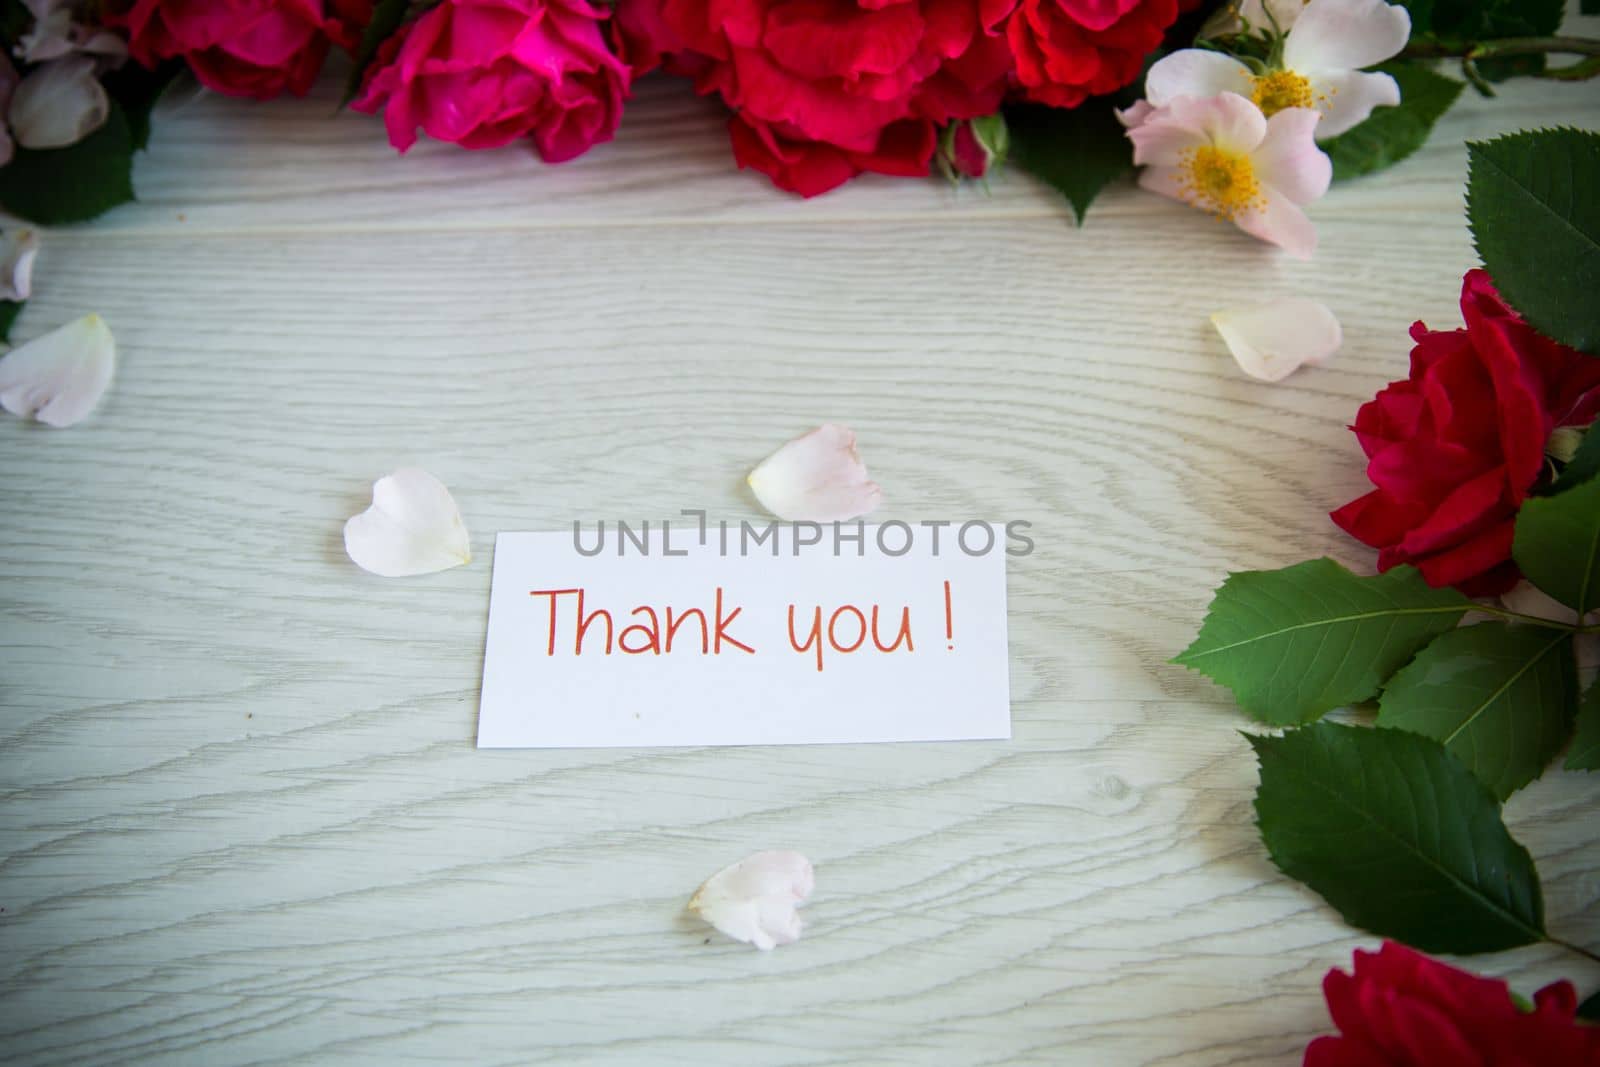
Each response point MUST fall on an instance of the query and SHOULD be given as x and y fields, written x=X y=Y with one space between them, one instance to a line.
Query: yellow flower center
x=1279 y=89
x=1223 y=183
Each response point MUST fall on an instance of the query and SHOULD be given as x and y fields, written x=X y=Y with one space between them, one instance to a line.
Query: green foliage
x=1482 y=20
x=1391 y=134
x=1585 y=752
x=1558 y=545
x=1536 y=221
x=75 y=183
x=1398 y=836
x=137 y=89
x=1297 y=642
x=387 y=15
x=9 y=310
x=1077 y=152
x=1500 y=698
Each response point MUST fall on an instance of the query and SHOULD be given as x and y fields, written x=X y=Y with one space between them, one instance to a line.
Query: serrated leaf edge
x=1538 y=933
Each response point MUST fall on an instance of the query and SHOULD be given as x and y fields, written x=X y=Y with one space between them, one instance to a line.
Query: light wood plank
x=243 y=820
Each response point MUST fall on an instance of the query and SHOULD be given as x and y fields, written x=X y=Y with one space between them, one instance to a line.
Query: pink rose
x=482 y=73
x=256 y=48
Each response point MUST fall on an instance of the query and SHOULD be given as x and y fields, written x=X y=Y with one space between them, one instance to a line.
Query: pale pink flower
x=1322 y=59
x=1220 y=154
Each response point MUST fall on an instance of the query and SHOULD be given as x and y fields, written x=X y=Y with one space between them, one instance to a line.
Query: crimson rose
x=257 y=48
x=825 y=89
x=1402 y=1009
x=1068 y=50
x=1455 y=448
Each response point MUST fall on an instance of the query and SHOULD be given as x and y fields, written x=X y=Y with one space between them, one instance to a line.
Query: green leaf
x=1584 y=464
x=137 y=89
x=1558 y=545
x=1077 y=152
x=1500 y=698
x=72 y=184
x=1398 y=836
x=1481 y=20
x=1536 y=221
x=1585 y=752
x=1590 y=1009
x=386 y=18
x=9 y=310
x=1393 y=133
x=1297 y=642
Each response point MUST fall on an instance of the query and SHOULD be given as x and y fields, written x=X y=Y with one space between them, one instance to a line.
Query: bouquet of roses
x=1275 y=97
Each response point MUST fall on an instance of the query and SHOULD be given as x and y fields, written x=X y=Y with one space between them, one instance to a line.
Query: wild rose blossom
x=482 y=73
x=1222 y=155
x=1455 y=449
x=1322 y=56
x=1399 y=1008
x=254 y=48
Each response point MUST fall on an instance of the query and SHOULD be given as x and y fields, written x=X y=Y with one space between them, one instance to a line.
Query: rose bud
x=973 y=147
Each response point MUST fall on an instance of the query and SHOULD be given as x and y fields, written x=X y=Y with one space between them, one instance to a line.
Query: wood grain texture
x=242 y=820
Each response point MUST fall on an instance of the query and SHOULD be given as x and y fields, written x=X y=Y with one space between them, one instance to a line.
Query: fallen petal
x=413 y=527
x=60 y=377
x=58 y=104
x=17 y=251
x=754 y=900
x=1269 y=341
x=817 y=477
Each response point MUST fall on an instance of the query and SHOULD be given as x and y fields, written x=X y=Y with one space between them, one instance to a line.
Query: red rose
x=257 y=48
x=826 y=89
x=1455 y=448
x=482 y=73
x=1069 y=50
x=1402 y=1009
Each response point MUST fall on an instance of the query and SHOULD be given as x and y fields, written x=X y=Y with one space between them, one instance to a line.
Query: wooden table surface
x=242 y=819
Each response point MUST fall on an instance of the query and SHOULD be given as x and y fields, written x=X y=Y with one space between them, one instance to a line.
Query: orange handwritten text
x=596 y=630
x=847 y=629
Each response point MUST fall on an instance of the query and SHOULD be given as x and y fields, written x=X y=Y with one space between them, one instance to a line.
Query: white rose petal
x=1270 y=341
x=817 y=477
x=17 y=251
x=413 y=527
x=60 y=377
x=754 y=900
x=58 y=104
x=1332 y=35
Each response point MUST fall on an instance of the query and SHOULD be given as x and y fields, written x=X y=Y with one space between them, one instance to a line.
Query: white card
x=933 y=669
